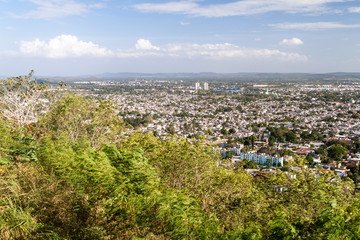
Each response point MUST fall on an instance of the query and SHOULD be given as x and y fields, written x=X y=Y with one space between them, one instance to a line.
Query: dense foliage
x=77 y=175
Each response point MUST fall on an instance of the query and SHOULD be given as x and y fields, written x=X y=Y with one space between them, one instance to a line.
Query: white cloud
x=47 y=9
x=221 y=50
x=225 y=51
x=63 y=46
x=237 y=8
x=291 y=42
x=354 y=9
x=143 y=44
x=169 y=7
x=313 y=25
x=68 y=46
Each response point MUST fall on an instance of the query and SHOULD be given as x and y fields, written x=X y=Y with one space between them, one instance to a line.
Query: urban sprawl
x=259 y=126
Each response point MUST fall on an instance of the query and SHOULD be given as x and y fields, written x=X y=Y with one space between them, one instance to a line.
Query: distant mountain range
x=211 y=76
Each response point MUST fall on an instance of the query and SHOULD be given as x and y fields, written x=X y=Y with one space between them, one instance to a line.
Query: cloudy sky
x=76 y=37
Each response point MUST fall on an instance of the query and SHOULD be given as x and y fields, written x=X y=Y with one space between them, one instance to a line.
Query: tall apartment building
x=206 y=86
x=197 y=86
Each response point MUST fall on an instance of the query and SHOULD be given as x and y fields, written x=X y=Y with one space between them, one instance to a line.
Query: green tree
x=224 y=132
x=245 y=149
x=80 y=118
x=252 y=140
x=310 y=159
x=272 y=140
x=232 y=131
x=337 y=152
x=229 y=154
x=249 y=164
x=171 y=130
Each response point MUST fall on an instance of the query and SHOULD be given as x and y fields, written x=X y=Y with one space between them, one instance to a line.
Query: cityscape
x=179 y=120
x=270 y=137
x=286 y=119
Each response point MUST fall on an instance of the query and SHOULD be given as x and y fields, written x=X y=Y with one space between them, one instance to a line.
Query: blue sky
x=75 y=37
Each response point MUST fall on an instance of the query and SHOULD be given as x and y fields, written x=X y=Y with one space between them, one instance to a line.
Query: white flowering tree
x=22 y=99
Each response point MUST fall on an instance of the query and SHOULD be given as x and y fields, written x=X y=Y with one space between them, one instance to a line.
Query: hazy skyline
x=73 y=37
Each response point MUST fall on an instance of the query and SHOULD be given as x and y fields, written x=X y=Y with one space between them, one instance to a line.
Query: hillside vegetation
x=77 y=173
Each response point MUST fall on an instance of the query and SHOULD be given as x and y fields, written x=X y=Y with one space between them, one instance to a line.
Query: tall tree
x=252 y=140
x=22 y=99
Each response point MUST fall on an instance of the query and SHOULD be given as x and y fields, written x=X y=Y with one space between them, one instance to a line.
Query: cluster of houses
x=209 y=113
x=192 y=113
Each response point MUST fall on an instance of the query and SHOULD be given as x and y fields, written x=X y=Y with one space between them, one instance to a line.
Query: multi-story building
x=263 y=159
x=197 y=86
x=206 y=86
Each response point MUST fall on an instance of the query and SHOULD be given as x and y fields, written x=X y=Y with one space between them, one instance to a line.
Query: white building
x=206 y=86
x=197 y=86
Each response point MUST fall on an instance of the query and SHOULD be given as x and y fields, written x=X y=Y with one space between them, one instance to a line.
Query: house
x=304 y=151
